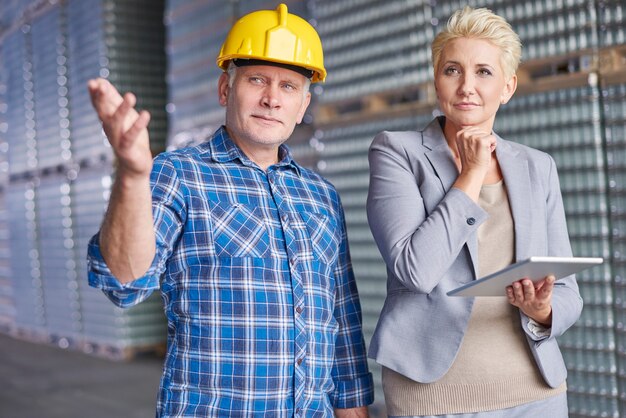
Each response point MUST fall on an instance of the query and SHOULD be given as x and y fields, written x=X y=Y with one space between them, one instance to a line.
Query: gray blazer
x=426 y=233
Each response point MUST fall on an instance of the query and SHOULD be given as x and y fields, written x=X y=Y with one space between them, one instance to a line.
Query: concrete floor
x=40 y=381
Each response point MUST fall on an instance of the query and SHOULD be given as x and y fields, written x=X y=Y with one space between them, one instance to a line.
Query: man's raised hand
x=125 y=128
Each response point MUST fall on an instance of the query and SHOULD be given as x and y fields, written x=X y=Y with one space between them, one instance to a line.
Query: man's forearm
x=127 y=238
x=360 y=412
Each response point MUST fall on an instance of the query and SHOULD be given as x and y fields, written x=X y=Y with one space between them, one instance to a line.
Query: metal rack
x=573 y=52
x=58 y=160
x=571 y=102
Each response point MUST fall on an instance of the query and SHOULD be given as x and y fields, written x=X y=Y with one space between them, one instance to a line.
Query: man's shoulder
x=193 y=152
x=202 y=145
x=311 y=176
x=322 y=187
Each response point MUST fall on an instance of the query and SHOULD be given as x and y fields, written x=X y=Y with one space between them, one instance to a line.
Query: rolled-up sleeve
x=167 y=208
x=121 y=294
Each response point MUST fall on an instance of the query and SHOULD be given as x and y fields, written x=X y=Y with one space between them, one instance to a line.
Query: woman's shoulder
x=429 y=136
x=405 y=147
x=394 y=138
x=534 y=155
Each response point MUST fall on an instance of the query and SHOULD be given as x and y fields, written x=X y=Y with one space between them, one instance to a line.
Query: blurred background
x=56 y=167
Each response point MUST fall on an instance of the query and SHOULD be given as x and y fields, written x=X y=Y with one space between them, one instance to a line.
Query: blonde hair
x=481 y=24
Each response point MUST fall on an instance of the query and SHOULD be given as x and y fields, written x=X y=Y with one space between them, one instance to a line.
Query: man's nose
x=270 y=97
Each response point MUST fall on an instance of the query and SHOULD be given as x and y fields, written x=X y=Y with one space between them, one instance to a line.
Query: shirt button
x=298 y=411
x=299 y=309
x=299 y=361
x=471 y=221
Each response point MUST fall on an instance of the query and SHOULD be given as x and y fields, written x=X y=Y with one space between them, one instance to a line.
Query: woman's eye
x=484 y=71
x=450 y=71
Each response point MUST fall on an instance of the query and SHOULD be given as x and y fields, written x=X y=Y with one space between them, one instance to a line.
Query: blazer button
x=471 y=221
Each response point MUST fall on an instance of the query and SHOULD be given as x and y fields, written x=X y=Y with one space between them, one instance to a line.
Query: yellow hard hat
x=275 y=36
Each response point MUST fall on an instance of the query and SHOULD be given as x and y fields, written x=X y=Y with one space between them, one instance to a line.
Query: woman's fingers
x=475 y=147
x=533 y=299
x=544 y=287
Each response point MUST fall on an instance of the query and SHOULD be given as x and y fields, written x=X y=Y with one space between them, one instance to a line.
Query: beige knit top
x=494 y=368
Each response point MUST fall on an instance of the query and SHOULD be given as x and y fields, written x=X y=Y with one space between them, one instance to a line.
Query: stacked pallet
x=569 y=103
x=59 y=166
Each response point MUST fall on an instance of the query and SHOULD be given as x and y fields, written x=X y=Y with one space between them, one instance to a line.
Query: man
x=248 y=248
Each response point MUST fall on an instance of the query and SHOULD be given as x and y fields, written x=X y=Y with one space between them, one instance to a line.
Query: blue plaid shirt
x=255 y=274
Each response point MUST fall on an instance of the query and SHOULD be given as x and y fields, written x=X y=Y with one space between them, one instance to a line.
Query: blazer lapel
x=516 y=178
x=440 y=158
x=518 y=185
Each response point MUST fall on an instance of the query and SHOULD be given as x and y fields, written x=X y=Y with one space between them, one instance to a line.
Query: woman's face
x=470 y=83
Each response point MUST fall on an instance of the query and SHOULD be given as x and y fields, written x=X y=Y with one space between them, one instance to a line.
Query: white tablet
x=534 y=268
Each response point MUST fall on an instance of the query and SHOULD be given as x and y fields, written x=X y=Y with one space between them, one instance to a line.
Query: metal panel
x=373 y=46
x=566 y=123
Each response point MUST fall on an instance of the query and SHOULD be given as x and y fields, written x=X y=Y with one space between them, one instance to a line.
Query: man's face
x=263 y=106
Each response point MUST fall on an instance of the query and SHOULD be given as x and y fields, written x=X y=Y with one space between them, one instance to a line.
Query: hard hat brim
x=242 y=62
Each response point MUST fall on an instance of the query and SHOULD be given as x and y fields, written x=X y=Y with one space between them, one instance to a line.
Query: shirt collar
x=223 y=149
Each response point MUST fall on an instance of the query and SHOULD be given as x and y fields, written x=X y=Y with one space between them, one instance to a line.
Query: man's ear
x=305 y=105
x=223 y=89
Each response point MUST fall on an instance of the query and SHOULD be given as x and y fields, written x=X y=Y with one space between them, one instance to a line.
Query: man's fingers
x=104 y=97
x=141 y=123
x=125 y=109
x=116 y=125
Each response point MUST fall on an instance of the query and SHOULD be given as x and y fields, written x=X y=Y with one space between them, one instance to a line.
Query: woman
x=456 y=202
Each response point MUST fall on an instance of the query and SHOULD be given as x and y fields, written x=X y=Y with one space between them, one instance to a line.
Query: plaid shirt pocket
x=324 y=237
x=239 y=231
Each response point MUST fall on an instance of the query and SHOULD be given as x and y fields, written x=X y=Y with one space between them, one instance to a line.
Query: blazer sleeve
x=566 y=301
x=418 y=226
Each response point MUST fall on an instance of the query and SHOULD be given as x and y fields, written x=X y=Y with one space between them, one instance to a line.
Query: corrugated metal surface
x=614 y=97
x=561 y=42
x=571 y=103
x=566 y=123
x=59 y=164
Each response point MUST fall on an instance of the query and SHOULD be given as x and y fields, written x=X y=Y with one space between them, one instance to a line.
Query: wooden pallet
x=580 y=68
x=107 y=350
x=382 y=103
x=584 y=67
x=612 y=65
x=557 y=72
x=122 y=353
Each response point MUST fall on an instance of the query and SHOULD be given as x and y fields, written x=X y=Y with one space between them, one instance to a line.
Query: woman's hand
x=535 y=300
x=474 y=160
x=475 y=147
